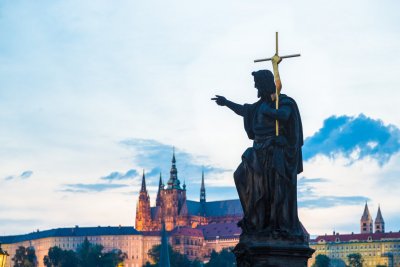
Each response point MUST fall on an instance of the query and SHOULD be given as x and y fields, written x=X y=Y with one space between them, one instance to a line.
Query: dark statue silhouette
x=266 y=179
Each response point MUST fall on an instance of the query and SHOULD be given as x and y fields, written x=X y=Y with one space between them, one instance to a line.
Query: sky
x=94 y=92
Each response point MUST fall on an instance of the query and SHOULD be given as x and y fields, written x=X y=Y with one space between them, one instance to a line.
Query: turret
x=379 y=222
x=366 y=222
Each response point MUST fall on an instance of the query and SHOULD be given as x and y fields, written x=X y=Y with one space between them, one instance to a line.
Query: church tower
x=366 y=221
x=173 y=198
x=202 y=196
x=143 y=217
x=379 y=222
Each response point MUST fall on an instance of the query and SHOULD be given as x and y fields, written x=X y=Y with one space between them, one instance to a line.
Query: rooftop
x=74 y=231
x=357 y=237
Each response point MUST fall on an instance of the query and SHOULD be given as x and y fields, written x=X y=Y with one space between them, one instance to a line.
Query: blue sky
x=93 y=92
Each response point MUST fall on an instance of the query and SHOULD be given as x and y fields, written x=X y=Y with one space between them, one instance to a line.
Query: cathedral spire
x=173 y=182
x=366 y=221
x=143 y=189
x=202 y=189
x=160 y=188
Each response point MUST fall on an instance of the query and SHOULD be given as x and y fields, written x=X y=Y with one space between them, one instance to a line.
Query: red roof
x=222 y=230
x=187 y=231
x=356 y=237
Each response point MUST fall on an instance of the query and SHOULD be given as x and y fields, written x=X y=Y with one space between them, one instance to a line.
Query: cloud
x=23 y=175
x=156 y=157
x=354 y=138
x=84 y=188
x=309 y=198
x=130 y=174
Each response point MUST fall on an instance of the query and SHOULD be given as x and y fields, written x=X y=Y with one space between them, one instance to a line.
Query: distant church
x=173 y=207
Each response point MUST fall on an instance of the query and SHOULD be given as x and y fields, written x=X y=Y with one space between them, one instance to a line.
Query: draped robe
x=266 y=179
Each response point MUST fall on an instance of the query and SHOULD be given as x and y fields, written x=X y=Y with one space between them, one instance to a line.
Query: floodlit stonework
x=173 y=207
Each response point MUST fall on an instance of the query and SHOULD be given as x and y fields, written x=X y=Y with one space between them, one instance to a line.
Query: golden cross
x=276 y=59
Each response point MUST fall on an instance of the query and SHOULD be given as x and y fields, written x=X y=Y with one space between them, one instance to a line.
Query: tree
x=24 y=257
x=355 y=260
x=321 y=261
x=56 y=257
x=225 y=258
x=113 y=258
x=176 y=259
x=87 y=254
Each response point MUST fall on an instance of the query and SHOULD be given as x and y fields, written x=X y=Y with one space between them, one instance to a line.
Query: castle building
x=195 y=228
x=125 y=238
x=376 y=248
x=176 y=210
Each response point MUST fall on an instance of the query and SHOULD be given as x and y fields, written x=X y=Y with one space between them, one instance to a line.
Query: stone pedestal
x=267 y=252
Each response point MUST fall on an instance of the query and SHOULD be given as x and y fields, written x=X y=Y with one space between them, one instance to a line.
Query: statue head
x=264 y=82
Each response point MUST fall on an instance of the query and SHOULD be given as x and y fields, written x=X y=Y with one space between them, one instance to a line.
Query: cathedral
x=175 y=210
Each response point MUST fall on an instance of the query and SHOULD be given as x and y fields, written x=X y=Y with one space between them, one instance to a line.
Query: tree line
x=92 y=255
x=86 y=255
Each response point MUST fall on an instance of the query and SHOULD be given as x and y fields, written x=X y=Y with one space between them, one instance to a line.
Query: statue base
x=256 y=252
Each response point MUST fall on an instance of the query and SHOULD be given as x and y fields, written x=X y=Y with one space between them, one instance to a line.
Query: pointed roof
x=164 y=253
x=379 y=218
x=366 y=215
x=143 y=188
x=160 y=184
x=173 y=155
x=160 y=187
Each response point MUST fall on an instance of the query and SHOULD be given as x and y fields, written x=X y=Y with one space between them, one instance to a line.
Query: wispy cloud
x=23 y=175
x=85 y=188
x=308 y=197
x=354 y=138
x=156 y=157
x=130 y=174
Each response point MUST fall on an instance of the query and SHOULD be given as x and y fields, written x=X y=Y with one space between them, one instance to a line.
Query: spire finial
x=143 y=189
x=202 y=177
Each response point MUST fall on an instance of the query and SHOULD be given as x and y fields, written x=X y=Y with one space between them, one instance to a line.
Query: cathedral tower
x=173 y=198
x=379 y=222
x=366 y=221
x=143 y=217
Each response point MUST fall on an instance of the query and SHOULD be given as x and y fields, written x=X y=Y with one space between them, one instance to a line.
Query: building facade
x=376 y=248
x=125 y=238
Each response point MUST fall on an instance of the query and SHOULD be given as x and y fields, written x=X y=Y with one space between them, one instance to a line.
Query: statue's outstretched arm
x=282 y=114
x=222 y=101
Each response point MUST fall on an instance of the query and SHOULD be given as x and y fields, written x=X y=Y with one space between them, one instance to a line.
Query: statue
x=266 y=179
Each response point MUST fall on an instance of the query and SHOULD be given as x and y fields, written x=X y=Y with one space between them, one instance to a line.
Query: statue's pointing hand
x=220 y=100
